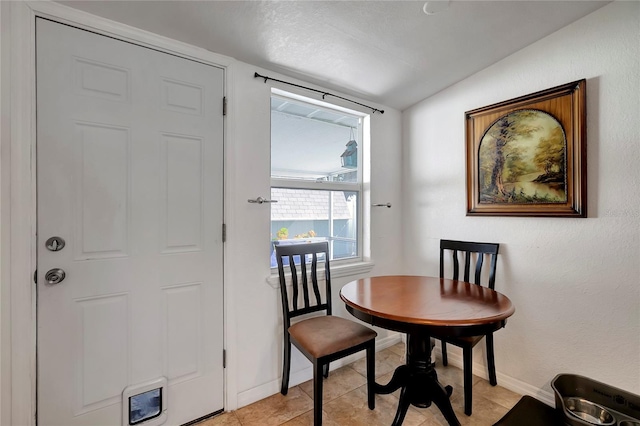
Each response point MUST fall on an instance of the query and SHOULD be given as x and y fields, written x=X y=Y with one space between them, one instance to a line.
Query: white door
x=129 y=155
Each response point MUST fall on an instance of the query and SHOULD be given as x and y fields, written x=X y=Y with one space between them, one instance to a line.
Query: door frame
x=18 y=220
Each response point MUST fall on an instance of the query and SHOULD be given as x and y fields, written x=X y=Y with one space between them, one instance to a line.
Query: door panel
x=130 y=155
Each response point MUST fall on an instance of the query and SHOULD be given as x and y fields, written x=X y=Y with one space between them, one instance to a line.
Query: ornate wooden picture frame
x=528 y=156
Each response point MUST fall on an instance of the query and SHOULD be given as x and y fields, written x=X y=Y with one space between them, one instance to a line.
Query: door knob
x=55 y=276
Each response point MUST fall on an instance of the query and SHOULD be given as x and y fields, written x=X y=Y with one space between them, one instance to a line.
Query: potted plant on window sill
x=284 y=240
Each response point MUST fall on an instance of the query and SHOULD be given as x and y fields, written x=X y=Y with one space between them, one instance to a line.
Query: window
x=316 y=175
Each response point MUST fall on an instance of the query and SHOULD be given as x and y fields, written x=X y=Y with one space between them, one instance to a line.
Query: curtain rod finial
x=256 y=75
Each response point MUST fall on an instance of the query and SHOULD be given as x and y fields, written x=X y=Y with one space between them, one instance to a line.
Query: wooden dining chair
x=324 y=338
x=470 y=251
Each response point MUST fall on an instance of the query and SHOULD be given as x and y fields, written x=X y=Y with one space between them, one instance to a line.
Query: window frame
x=357 y=263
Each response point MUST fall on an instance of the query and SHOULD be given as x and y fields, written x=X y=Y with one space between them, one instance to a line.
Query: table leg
x=399 y=378
x=419 y=382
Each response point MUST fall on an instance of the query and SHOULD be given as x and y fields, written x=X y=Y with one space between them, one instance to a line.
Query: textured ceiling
x=389 y=52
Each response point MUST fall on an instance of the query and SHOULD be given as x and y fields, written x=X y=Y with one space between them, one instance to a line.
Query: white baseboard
x=263 y=391
x=505 y=381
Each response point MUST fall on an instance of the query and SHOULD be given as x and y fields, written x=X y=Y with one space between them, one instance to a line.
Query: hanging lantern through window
x=349 y=157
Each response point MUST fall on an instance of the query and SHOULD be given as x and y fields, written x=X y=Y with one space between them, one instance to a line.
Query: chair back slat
x=492 y=271
x=314 y=277
x=456 y=265
x=294 y=282
x=470 y=250
x=308 y=258
x=478 y=268
x=305 y=283
x=467 y=265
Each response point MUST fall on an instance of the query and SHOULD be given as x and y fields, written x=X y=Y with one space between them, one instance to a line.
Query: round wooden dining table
x=424 y=307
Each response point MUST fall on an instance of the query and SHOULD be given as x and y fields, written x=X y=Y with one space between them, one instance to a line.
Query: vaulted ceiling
x=390 y=52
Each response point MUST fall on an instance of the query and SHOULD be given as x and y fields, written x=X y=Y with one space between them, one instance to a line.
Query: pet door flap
x=145 y=404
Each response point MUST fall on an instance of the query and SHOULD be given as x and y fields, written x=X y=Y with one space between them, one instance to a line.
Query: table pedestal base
x=419 y=382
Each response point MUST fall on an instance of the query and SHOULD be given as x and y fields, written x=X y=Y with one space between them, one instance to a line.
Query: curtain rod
x=256 y=75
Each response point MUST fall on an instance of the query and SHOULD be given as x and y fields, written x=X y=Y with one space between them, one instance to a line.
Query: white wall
x=258 y=328
x=575 y=283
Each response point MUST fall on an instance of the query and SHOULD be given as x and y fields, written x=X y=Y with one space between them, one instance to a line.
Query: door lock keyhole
x=55 y=244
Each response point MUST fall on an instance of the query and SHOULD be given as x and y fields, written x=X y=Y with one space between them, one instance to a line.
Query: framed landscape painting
x=528 y=156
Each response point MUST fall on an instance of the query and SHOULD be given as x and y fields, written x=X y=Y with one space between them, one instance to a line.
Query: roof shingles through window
x=306 y=204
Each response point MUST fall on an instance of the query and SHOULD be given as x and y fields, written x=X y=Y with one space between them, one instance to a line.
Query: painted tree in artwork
x=550 y=155
x=496 y=147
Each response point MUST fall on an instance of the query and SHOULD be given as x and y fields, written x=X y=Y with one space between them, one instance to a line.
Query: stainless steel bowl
x=629 y=423
x=588 y=411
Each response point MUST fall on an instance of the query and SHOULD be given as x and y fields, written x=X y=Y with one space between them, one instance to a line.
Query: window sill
x=338 y=271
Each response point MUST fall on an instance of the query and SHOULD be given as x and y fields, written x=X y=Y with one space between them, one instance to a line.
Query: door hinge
x=224 y=105
x=35 y=276
x=224 y=358
x=224 y=232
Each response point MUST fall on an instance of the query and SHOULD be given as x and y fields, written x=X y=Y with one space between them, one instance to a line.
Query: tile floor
x=345 y=400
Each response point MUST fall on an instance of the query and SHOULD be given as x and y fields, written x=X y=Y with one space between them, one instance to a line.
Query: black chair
x=321 y=339
x=470 y=251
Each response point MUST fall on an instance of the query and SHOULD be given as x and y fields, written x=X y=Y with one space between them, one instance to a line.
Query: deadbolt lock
x=55 y=244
